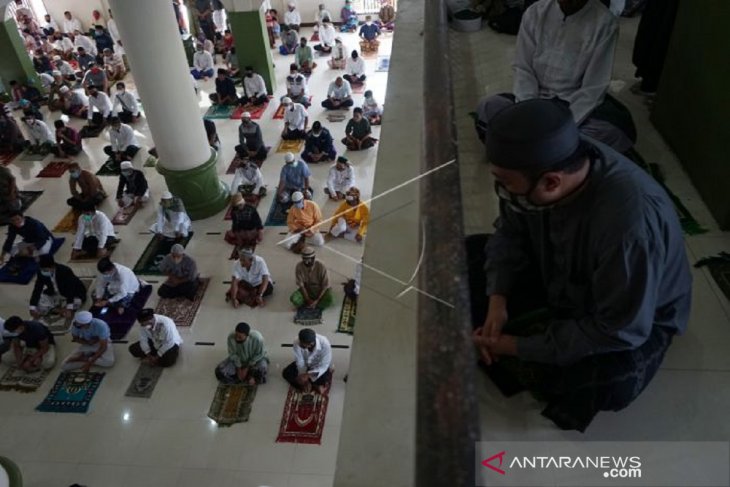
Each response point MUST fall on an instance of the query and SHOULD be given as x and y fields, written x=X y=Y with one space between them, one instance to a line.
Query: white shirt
x=253 y=276
x=338 y=51
x=111 y=25
x=327 y=35
x=83 y=41
x=321 y=15
x=254 y=86
x=46 y=80
x=70 y=25
x=292 y=17
x=355 y=67
x=51 y=24
x=65 y=68
x=202 y=60
x=125 y=101
x=316 y=362
x=100 y=227
x=39 y=132
x=102 y=103
x=297 y=86
x=164 y=336
x=63 y=44
x=254 y=177
x=568 y=57
x=122 y=138
x=78 y=98
x=122 y=284
x=115 y=60
x=296 y=116
x=340 y=181
x=178 y=220
x=339 y=92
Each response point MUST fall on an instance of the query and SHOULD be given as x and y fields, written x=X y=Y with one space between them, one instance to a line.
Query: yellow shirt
x=306 y=217
x=354 y=215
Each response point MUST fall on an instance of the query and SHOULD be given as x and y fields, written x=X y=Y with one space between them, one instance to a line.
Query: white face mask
x=299 y=204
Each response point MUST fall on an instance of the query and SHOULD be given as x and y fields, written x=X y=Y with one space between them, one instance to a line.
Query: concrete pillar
x=15 y=64
x=161 y=73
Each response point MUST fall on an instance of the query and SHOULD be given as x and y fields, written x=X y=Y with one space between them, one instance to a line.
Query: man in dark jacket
x=225 y=90
x=37 y=240
x=133 y=188
x=57 y=289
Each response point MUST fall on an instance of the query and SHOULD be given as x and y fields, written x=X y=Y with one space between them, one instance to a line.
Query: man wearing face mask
x=250 y=140
x=251 y=281
x=95 y=345
x=97 y=77
x=127 y=102
x=40 y=138
x=591 y=241
x=115 y=287
x=304 y=57
x=303 y=221
x=247 y=361
x=99 y=101
x=56 y=289
x=294 y=177
x=296 y=87
x=327 y=36
x=249 y=181
x=159 y=341
x=68 y=140
x=85 y=188
x=203 y=64
x=355 y=69
x=36 y=238
x=247 y=230
x=172 y=220
x=133 y=189
x=182 y=275
x=351 y=218
x=369 y=33
x=341 y=178
x=94 y=233
x=225 y=90
x=319 y=145
x=254 y=88
x=296 y=120
x=313 y=285
x=124 y=144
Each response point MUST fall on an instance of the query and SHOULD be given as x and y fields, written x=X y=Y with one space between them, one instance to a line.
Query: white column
x=160 y=69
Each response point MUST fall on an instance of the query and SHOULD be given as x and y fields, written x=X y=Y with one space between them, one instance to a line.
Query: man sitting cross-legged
x=355 y=69
x=312 y=362
x=313 y=286
x=95 y=345
x=247 y=362
x=159 y=341
x=303 y=222
x=250 y=140
x=251 y=281
x=94 y=233
x=352 y=218
x=124 y=144
x=182 y=275
x=340 y=179
x=369 y=33
x=247 y=230
x=296 y=86
x=116 y=286
x=248 y=180
x=172 y=219
x=339 y=95
x=296 y=120
x=225 y=90
x=57 y=290
x=85 y=187
x=254 y=88
x=319 y=145
x=294 y=176
x=358 y=134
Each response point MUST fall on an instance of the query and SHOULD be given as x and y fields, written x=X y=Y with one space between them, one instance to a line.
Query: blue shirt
x=370 y=32
x=294 y=175
x=32 y=232
x=97 y=329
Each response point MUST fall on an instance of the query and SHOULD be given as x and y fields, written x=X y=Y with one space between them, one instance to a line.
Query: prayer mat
x=22 y=270
x=256 y=111
x=277 y=214
x=228 y=215
x=90 y=131
x=157 y=249
x=150 y=162
x=68 y=223
x=124 y=215
x=120 y=324
x=109 y=168
x=358 y=88
x=110 y=247
x=315 y=37
x=144 y=381
x=383 y=64
x=181 y=310
x=27 y=198
x=219 y=112
x=54 y=169
x=56 y=323
x=293 y=146
x=72 y=392
x=31 y=156
x=347 y=316
x=233 y=165
x=303 y=418
x=336 y=117
x=369 y=54
x=719 y=267
x=308 y=316
x=279 y=114
x=8 y=157
x=15 y=379
x=232 y=404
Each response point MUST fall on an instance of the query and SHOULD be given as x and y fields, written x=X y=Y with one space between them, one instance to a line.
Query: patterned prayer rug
x=335 y=117
x=232 y=404
x=256 y=111
x=68 y=223
x=277 y=214
x=27 y=198
x=347 y=316
x=157 y=249
x=279 y=113
x=72 y=392
x=54 y=169
x=121 y=324
x=90 y=131
x=303 y=418
x=308 y=316
x=234 y=164
x=15 y=379
x=109 y=168
x=8 y=157
x=110 y=247
x=293 y=146
x=719 y=267
x=124 y=215
x=219 y=112
x=181 y=310
x=22 y=270
x=383 y=64
x=144 y=381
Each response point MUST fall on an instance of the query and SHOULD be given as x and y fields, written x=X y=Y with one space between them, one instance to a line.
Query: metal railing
x=447 y=413
x=370 y=6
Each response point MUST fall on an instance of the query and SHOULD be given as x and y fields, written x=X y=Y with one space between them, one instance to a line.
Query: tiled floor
x=690 y=396
x=168 y=440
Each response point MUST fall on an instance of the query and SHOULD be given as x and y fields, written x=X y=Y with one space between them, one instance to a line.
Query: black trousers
x=78 y=204
x=70 y=149
x=291 y=373
x=168 y=359
x=261 y=153
x=355 y=79
x=294 y=135
x=254 y=100
x=128 y=153
x=330 y=106
x=184 y=290
x=126 y=116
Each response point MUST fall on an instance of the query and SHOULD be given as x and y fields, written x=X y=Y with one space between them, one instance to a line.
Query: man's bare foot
x=120 y=310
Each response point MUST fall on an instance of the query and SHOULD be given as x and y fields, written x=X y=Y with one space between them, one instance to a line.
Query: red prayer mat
x=279 y=114
x=303 y=418
x=124 y=216
x=358 y=88
x=315 y=37
x=233 y=165
x=8 y=157
x=256 y=111
x=54 y=169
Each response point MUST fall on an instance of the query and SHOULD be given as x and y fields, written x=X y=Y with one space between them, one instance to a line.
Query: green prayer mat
x=157 y=249
x=719 y=267
x=150 y=162
x=347 y=316
x=217 y=112
x=232 y=404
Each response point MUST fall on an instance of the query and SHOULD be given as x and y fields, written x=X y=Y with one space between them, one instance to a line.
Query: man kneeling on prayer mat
x=312 y=282
x=85 y=188
x=248 y=180
x=115 y=288
x=182 y=275
x=352 y=218
x=159 y=341
x=247 y=230
x=312 y=363
x=133 y=189
x=251 y=281
x=296 y=120
x=587 y=279
x=340 y=179
x=37 y=239
x=296 y=86
x=32 y=344
x=303 y=221
x=358 y=134
x=247 y=362
x=57 y=290
x=95 y=344
x=251 y=140
x=94 y=233
x=172 y=220
x=319 y=145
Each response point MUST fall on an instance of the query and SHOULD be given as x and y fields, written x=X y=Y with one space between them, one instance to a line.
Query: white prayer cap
x=246 y=115
x=286 y=101
x=297 y=196
x=83 y=317
x=56 y=72
x=292 y=4
x=63 y=90
x=166 y=195
x=126 y=165
x=56 y=57
x=289 y=157
x=177 y=249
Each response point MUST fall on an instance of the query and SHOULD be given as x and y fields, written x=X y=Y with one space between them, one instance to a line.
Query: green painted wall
x=252 y=44
x=15 y=64
x=692 y=109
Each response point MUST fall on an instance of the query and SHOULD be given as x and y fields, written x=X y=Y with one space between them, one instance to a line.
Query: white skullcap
x=177 y=249
x=286 y=100
x=126 y=165
x=63 y=90
x=56 y=72
x=297 y=196
x=56 y=57
x=246 y=115
x=166 y=195
x=83 y=317
x=289 y=157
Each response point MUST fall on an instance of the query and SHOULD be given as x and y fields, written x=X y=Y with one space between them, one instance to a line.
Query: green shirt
x=248 y=353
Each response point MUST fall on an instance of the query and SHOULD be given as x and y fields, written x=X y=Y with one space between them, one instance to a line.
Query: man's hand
x=358 y=238
x=496 y=318
x=120 y=203
x=87 y=366
x=235 y=303
x=260 y=301
x=102 y=252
